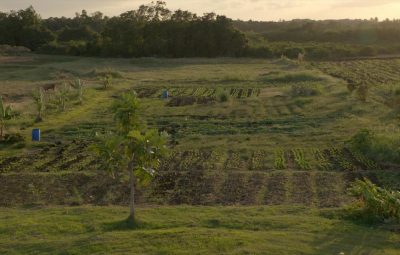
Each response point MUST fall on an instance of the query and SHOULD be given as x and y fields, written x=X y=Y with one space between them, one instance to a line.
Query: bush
x=223 y=96
x=376 y=203
x=381 y=149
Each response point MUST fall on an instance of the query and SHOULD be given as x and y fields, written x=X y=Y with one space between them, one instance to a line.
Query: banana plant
x=39 y=100
x=62 y=97
x=78 y=85
x=5 y=114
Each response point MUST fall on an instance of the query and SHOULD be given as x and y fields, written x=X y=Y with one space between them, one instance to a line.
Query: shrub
x=380 y=149
x=223 y=96
x=375 y=202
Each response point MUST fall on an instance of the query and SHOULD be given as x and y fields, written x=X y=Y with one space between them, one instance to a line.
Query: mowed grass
x=188 y=230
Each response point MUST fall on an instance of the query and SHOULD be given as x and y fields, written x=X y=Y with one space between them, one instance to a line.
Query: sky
x=236 y=9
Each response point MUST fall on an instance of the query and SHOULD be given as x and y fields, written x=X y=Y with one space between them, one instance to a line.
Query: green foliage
x=280 y=160
x=134 y=149
x=223 y=96
x=381 y=149
x=127 y=113
x=300 y=159
x=293 y=77
x=376 y=202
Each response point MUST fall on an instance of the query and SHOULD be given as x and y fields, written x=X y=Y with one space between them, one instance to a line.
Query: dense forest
x=155 y=31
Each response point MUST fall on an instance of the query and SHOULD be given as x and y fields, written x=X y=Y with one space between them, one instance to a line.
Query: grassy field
x=278 y=139
x=189 y=230
x=272 y=153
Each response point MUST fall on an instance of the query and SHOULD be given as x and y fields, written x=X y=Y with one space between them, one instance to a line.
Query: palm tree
x=132 y=149
x=5 y=114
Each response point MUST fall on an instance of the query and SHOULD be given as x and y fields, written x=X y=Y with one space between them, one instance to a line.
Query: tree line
x=155 y=31
x=150 y=30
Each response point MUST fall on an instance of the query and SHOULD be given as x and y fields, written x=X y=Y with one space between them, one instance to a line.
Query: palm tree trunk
x=132 y=195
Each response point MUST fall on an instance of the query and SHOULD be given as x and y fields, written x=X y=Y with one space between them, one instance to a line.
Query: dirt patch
x=189 y=100
x=271 y=92
x=14 y=59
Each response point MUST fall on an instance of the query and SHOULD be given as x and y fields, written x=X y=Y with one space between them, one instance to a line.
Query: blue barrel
x=36 y=135
x=165 y=94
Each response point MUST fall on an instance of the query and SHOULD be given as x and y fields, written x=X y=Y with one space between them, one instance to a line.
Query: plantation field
x=190 y=230
x=278 y=138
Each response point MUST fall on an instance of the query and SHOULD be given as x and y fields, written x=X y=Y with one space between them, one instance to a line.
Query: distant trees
x=24 y=28
x=150 y=30
x=153 y=30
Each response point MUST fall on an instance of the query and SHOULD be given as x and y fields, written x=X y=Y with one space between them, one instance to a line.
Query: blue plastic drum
x=36 y=135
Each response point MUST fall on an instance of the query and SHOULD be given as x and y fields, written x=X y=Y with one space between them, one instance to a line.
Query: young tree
x=5 y=114
x=38 y=98
x=132 y=149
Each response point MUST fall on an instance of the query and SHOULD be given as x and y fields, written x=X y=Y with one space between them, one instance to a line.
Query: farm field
x=189 y=230
x=260 y=159
x=278 y=139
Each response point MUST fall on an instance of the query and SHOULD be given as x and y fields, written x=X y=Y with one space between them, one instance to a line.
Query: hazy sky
x=242 y=9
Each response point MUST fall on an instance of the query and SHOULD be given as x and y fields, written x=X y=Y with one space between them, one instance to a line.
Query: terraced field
x=280 y=138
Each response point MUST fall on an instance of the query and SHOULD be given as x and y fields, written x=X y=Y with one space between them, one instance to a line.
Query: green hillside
x=279 y=138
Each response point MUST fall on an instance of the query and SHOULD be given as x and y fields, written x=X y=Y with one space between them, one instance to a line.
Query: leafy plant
x=377 y=148
x=39 y=100
x=133 y=149
x=223 y=96
x=280 y=160
x=300 y=159
x=376 y=202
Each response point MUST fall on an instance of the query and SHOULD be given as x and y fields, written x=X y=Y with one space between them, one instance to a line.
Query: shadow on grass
x=124 y=225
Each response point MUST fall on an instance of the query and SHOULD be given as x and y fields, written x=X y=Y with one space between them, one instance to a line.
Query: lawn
x=189 y=230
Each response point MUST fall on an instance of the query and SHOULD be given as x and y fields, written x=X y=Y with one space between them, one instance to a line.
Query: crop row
x=198 y=92
x=367 y=72
x=77 y=157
